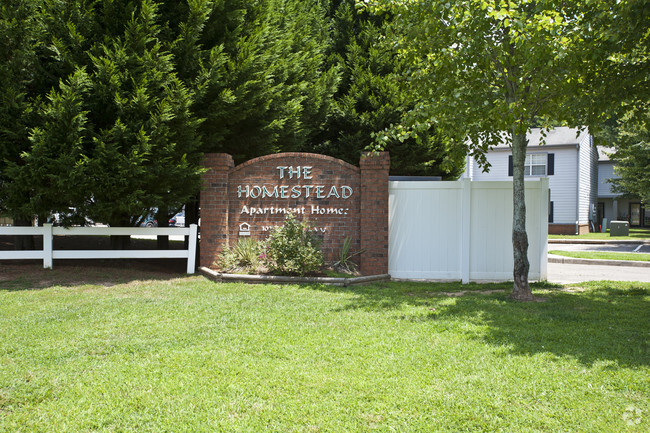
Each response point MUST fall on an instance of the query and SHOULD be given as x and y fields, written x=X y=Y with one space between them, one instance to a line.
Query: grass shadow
x=599 y=322
x=30 y=275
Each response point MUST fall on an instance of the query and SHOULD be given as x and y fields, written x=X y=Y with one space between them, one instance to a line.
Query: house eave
x=504 y=148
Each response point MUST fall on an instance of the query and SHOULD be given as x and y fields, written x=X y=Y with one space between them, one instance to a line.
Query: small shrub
x=243 y=256
x=293 y=249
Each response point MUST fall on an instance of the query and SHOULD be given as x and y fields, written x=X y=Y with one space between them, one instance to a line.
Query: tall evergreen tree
x=48 y=179
x=253 y=69
x=371 y=98
x=145 y=150
x=262 y=83
x=121 y=136
x=20 y=38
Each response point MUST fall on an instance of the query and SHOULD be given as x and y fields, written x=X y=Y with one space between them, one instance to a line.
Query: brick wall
x=374 y=212
x=338 y=200
x=214 y=207
x=564 y=229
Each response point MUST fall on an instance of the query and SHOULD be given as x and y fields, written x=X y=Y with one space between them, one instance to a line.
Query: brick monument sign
x=337 y=199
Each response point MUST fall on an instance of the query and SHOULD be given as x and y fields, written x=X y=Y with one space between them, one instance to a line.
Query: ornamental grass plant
x=246 y=256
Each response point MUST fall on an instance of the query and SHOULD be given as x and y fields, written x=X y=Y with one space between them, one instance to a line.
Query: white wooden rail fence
x=48 y=254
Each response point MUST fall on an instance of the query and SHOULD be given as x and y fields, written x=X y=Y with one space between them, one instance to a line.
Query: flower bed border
x=220 y=277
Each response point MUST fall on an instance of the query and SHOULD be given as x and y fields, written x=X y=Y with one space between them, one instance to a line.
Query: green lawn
x=603 y=255
x=634 y=235
x=189 y=355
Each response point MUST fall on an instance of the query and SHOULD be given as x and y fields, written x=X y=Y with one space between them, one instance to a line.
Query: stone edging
x=219 y=277
x=576 y=261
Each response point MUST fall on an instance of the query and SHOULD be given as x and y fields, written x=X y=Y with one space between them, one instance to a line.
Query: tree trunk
x=521 y=289
x=162 y=216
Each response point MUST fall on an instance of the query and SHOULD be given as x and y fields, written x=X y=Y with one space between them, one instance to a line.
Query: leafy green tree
x=489 y=69
x=631 y=141
x=614 y=56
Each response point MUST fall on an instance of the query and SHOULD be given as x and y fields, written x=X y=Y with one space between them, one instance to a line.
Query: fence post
x=47 y=246
x=543 y=227
x=191 y=249
x=465 y=245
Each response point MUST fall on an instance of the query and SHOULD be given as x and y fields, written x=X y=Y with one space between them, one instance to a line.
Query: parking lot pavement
x=566 y=273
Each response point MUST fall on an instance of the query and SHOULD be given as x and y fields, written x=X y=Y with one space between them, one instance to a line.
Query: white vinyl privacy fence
x=47 y=254
x=463 y=230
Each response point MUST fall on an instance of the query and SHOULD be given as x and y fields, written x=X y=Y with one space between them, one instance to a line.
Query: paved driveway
x=609 y=247
x=566 y=273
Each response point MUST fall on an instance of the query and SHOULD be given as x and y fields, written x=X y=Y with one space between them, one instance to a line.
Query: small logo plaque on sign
x=244 y=229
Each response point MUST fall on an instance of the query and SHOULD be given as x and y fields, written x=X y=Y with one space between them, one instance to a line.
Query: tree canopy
x=631 y=153
x=497 y=68
x=618 y=78
x=117 y=137
x=108 y=106
x=371 y=97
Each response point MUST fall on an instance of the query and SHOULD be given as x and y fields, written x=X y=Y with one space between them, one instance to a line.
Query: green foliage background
x=107 y=106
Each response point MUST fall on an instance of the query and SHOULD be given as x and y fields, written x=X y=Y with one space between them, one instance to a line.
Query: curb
x=571 y=260
x=219 y=277
x=599 y=241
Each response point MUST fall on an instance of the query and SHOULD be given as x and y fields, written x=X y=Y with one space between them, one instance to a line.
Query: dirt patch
x=572 y=289
x=465 y=292
x=457 y=294
x=30 y=275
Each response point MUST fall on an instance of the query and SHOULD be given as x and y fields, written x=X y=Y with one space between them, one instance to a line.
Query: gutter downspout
x=578 y=190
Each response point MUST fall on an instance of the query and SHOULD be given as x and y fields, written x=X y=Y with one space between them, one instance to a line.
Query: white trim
x=22 y=255
x=466 y=230
x=119 y=254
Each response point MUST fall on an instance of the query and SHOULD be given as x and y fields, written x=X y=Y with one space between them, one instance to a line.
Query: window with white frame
x=535 y=164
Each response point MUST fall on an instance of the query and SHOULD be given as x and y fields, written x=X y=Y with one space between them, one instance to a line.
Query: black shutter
x=550 y=164
x=509 y=165
x=550 y=212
